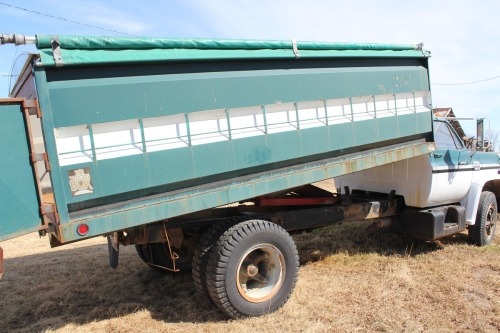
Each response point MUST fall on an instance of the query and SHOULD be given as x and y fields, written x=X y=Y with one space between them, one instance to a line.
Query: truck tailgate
x=19 y=205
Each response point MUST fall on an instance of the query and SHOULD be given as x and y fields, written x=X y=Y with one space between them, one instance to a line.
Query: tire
x=157 y=256
x=483 y=231
x=202 y=253
x=253 y=269
x=140 y=252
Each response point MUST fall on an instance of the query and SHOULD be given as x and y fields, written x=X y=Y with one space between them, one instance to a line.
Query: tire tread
x=221 y=254
x=477 y=233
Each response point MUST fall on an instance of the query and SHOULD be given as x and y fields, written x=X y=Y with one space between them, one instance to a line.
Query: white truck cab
x=451 y=176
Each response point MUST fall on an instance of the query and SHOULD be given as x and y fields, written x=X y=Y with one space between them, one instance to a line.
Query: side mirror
x=480 y=134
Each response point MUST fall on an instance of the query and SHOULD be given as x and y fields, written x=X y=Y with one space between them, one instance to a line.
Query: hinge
x=295 y=48
x=56 y=52
x=49 y=211
x=41 y=157
x=33 y=108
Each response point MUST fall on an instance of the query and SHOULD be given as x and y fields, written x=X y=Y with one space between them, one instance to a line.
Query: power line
x=63 y=19
x=466 y=83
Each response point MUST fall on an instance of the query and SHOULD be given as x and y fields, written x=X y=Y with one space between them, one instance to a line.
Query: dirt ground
x=350 y=281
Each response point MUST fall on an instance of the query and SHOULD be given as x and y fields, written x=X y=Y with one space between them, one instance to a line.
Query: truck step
x=451 y=229
x=433 y=223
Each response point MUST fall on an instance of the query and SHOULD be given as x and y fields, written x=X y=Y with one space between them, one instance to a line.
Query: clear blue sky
x=462 y=36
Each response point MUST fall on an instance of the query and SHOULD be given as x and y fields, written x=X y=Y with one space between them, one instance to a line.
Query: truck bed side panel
x=135 y=142
x=89 y=109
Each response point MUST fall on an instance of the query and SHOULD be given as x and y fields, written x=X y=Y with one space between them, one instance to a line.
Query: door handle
x=437 y=155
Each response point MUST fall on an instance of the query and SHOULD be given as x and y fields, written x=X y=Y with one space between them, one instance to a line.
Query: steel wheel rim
x=260 y=273
x=490 y=221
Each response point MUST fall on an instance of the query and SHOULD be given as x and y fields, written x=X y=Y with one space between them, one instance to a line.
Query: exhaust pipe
x=17 y=39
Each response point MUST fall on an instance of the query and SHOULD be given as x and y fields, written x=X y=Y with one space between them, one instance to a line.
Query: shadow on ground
x=358 y=238
x=52 y=289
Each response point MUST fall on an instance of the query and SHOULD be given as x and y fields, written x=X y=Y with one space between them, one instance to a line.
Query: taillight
x=82 y=229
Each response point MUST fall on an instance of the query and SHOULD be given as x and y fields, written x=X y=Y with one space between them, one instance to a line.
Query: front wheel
x=252 y=269
x=483 y=231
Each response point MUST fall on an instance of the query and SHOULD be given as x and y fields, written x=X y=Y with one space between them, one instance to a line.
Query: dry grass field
x=350 y=281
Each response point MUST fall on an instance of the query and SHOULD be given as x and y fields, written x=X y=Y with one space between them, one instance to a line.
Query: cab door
x=452 y=165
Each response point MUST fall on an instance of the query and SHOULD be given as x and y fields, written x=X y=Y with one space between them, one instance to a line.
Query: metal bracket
x=114 y=249
x=174 y=256
x=50 y=212
x=41 y=157
x=156 y=233
x=392 y=196
x=56 y=52
x=347 y=191
x=295 y=48
x=33 y=108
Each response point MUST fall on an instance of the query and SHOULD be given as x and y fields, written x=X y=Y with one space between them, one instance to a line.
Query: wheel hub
x=261 y=272
x=490 y=222
x=252 y=270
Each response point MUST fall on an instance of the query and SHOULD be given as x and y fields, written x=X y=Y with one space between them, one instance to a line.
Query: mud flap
x=114 y=249
x=1 y=263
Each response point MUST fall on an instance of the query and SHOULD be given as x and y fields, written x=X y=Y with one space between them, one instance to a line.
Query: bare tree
x=491 y=139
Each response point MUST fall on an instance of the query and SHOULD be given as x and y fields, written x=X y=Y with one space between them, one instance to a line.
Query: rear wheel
x=252 y=269
x=483 y=231
x=202 y=253
x=157 y=256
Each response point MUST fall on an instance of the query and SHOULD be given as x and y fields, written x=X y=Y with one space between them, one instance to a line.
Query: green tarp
x=80 y=50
